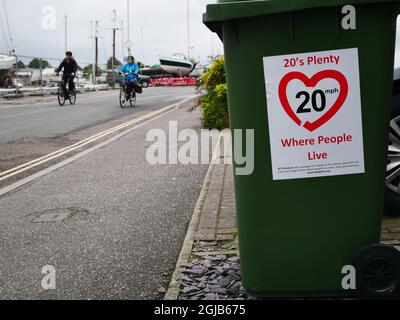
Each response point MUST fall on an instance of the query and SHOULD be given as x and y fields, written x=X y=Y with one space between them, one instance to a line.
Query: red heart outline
x=311 y=83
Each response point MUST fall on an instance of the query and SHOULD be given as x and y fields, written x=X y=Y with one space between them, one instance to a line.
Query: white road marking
x=22 y=114
x=54 y=155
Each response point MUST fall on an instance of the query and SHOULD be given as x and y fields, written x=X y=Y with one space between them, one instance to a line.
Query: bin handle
x=397 y=8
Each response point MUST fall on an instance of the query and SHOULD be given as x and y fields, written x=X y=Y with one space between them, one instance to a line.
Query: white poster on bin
x=314 y=114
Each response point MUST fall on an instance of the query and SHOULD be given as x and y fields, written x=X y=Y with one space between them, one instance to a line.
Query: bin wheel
x=378 y=272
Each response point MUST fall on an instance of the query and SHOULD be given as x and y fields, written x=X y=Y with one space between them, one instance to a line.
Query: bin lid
x=226 y=10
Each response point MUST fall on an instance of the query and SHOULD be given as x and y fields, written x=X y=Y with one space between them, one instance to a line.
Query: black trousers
x=67 y=78
x=131 y=85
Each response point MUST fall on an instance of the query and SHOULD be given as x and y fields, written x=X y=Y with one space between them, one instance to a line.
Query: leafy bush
x=214 y=103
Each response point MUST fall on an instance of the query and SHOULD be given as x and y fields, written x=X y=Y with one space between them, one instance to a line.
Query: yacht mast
x=129 y=45
x=66 y=32
x=188 y=30
x=10 y=39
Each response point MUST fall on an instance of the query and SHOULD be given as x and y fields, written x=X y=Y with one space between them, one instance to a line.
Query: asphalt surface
x=50 y=120
x=30 y=131
x=125 y=237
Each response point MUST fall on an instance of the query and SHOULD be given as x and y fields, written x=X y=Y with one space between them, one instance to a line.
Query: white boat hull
x=176 y=66
x=7 y=62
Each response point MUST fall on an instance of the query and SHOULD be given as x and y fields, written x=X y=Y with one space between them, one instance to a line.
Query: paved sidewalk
x=217 y=219
x=391 y=231
x=209 y=264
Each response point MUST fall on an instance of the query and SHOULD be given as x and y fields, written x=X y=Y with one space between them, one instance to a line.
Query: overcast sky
x=158 y=27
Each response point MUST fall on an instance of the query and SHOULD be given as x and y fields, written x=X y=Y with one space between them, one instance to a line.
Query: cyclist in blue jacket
x=130 y=72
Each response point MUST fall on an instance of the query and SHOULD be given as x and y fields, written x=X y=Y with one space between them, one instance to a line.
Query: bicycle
x=71 y=95
x=123 y=96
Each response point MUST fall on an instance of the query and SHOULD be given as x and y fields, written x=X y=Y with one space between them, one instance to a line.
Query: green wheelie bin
x=313 y=79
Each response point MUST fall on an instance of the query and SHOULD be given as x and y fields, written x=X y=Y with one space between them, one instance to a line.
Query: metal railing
x=38 y=78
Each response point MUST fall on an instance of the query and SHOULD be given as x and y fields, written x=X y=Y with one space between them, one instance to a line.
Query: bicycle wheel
x=132 y=100
x=122 y=98
x=72 y=97
x=61 y=98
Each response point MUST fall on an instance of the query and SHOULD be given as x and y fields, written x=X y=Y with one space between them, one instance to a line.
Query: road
x=127 y=218
x=30 y=131
x=49 y=120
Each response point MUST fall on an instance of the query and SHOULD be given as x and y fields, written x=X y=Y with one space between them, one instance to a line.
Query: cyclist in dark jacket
x=70 y=68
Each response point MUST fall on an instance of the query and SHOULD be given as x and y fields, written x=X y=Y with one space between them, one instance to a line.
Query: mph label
x=314 y=114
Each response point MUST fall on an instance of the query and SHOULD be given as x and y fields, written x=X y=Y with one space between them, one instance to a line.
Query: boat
x=7 y=62
x=154 y=72
x=177 y=64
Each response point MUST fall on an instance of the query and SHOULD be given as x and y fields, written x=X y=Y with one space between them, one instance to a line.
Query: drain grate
x=56 y=215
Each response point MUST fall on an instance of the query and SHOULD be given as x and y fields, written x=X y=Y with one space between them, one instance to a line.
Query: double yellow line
x=59 y=153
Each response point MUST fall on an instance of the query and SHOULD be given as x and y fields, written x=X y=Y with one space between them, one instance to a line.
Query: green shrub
x=214 y=103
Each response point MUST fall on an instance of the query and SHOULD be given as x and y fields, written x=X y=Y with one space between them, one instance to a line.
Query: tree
x=117 y=63
x=88 y=71
x=214 y=103
x=37 y=63
x=20 y=65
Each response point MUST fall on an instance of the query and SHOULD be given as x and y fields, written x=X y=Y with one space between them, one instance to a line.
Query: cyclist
x=70 y=68
x=130 y=72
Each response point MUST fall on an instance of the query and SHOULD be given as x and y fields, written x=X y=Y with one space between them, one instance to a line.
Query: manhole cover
x=56 y=215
